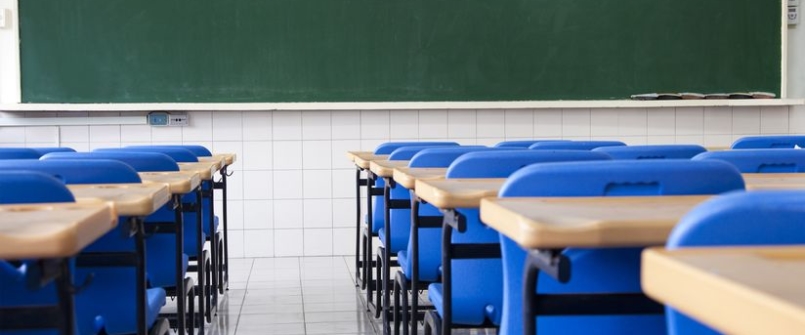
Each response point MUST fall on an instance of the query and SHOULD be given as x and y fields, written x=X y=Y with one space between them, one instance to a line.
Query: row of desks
x=61 y=230
x=764 y=284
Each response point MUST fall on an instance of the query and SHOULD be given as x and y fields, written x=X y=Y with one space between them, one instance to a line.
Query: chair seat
x=127 y=324
x=398 y=242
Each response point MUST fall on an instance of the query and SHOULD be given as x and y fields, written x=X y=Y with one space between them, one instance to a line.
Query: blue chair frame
x=670 y=151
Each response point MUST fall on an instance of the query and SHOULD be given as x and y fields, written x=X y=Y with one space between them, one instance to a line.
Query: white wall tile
x=318 y=213
x=49 y=134
x=104 y=134
x=288 y=184
x=258 y=185
x=461 y=124
x=103 y=145
x=235 y=218
x=344 y=212
x=661 y=139
x=287 y=155
x=661 y=121
x=404 y=125
x=74 y=133
x=135 y=133
x=317 y=184
x=234 y=184
x=77 y=146
x=774 y=120
x=318 y=242
x=257 y=155
x=316 y=125
x=230 y=147
x=257 y=126
x=689 y=121
x=227 y=126
x=690 y=139
x=519 y=123
x=370 y=145
x=346 y=125
x=796 y=120
x=289 y=214
x=604 y=122
x=288 y=242
x=344 y=241
x=235 y=243
x=166 y=134
x=375 y=125
x=711 y=141
x=632 y=122
x=200 y=127
x=547 y=123
x=575 y=122
x=343 y=183
x=490 y=141
x=433 y=124
x=317 y=155
x=258 y=243
x=338 y=156
x=258 y=214
x=717 y=121
x=491 y=124
x=746 y=120
x=12 y=135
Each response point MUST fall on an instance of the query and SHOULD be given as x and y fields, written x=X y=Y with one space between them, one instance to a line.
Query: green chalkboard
x=394 y=50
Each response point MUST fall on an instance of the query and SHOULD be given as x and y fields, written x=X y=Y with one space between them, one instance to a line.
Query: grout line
x=240 y=310
x=302 y=290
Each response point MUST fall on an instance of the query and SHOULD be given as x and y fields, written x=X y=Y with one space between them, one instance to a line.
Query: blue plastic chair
x=139 y=161
x=198 y=150
x=670 y=151
x=388 y=147
x=769 y=142
x=46 y=150
x=523 y=143
x=738 y=219
x=476 y=284
x=29 y=187
x=117 y=315
x=18 y=153
x=575 y=145
x=760 y=160
x=600 y=270
x=178 y=154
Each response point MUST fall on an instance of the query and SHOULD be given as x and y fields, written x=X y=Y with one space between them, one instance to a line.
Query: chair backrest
x=575 y=145
x=524 y=143
x=613 y=178
x=20 y=187
x=443 y=157
x=139 y=161
x=198 y=150
x=79 y=171
x=770 y=142
x=18 y=153
x=408 y=152
x=670 y=151
x=388 y=147
x=745 y=218
x=46 y=150
x=178 y=154
x=501 y=164
x=760 y=160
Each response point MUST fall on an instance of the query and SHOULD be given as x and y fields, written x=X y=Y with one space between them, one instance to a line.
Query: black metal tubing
x=358 y=266
x=416 y=223
x=201 y=269
x=139 y=243
x=64 y=287
x=223 y=279
x=33 y=317
x=216 y=267
x=386 y=251
x=554 y=263
x=180 y=288
x=367 y=251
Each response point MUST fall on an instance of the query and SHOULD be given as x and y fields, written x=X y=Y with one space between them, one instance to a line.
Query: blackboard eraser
x=740 y=95
x=763 y=95
x=692 y=96
x=669 y=96
x=717 y=96
x=645 y=96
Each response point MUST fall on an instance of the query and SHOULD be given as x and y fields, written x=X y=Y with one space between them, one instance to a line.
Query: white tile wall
x=292 y=191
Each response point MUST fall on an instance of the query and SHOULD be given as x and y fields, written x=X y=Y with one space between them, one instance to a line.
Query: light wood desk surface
x=363 y=158
x=587 y=221
x=407 y=177
x=749 y=290
x=774 y=181
x=385 y=168
x=220 y=161
x=458 y=193
x=227 y=158
x=129 y=199
x=205 y=170
x=52 y=230
x=178 y=182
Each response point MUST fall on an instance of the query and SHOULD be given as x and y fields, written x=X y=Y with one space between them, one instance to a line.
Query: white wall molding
x=366 y=106
x=10 y=89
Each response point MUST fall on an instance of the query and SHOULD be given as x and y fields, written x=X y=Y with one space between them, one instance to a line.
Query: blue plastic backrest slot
x=671 y=151
x=760 y=160
x=501 y=164
x=575 y=145
x=523 y=143
x=633 y=189
x=770 y=142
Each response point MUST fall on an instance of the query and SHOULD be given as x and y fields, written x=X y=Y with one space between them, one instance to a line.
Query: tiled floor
x=295 y=295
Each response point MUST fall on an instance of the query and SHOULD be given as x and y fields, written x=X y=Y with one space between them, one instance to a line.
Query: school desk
x=51 y=234
x=227 y=159
x=135 y=201
x=774 y=181
x=407 y=176
x=736 y=290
